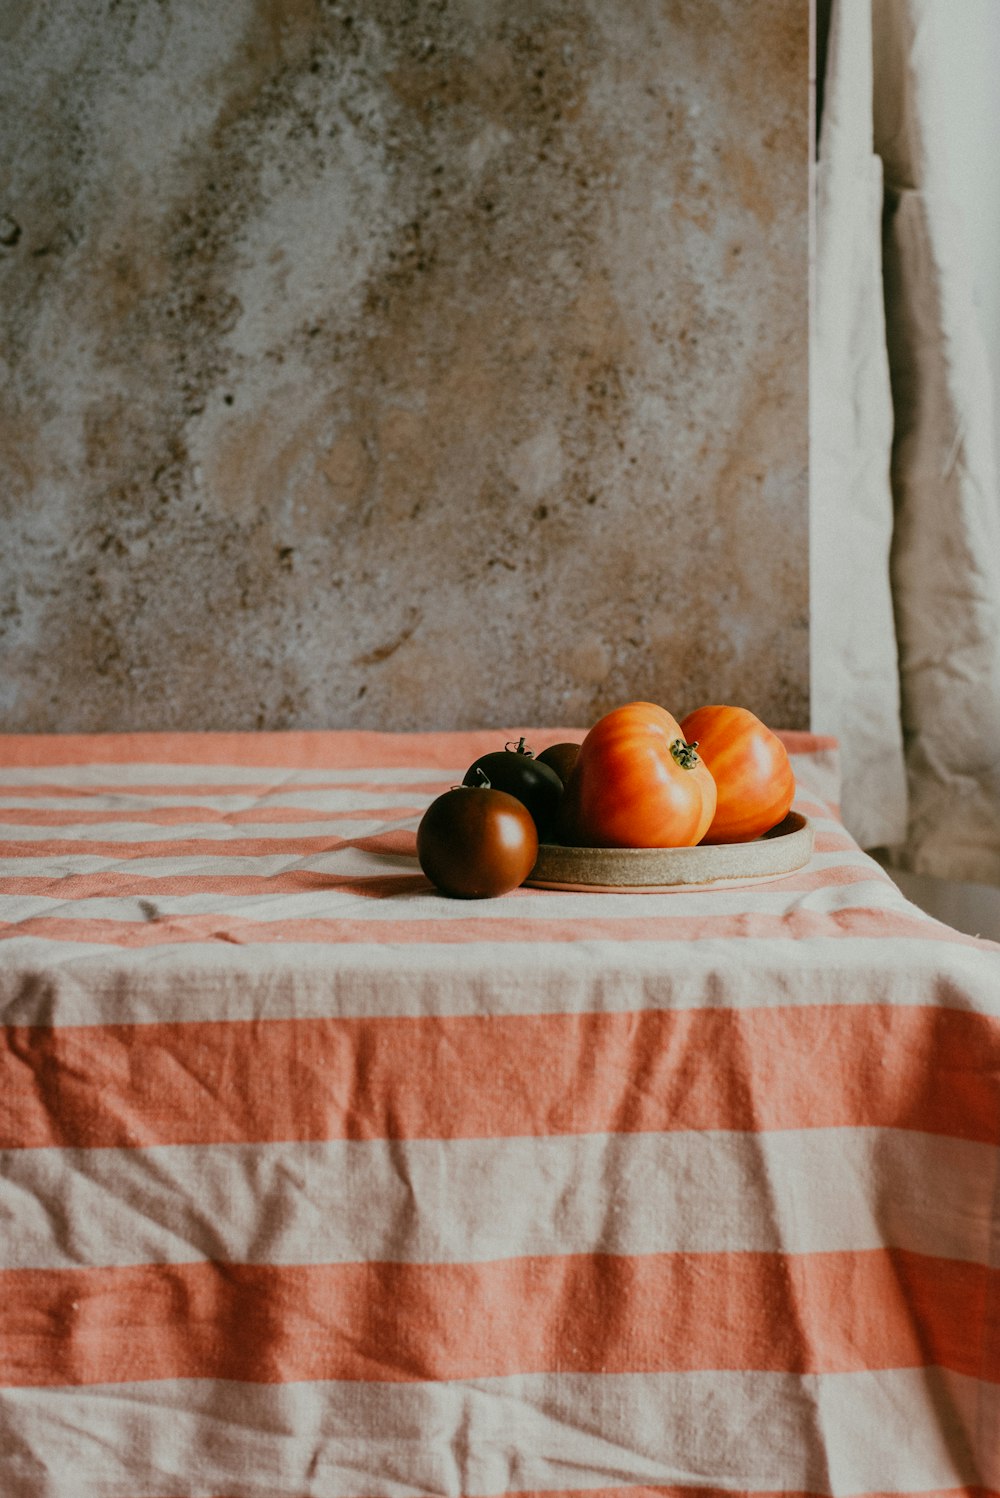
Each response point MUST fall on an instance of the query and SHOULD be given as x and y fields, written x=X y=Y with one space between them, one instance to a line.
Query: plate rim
x=793 y=835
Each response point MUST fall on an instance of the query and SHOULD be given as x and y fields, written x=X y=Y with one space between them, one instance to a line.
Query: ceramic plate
x=781 y=851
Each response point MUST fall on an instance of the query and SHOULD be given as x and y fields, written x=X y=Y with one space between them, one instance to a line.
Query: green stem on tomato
x=684 y=754
x=519 y=748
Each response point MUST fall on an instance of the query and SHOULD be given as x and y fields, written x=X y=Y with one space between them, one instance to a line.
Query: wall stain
x=431 y=368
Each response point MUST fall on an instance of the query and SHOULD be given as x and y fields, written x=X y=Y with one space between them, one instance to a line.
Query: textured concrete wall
x=401 y=364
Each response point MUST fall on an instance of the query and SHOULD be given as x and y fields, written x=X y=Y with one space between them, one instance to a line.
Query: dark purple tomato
x=474 y=842
x=561 y=758
x=515 y=770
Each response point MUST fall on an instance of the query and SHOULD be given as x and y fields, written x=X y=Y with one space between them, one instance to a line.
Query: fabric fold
x=905 y=552
x=946 y=541
x=854 y=667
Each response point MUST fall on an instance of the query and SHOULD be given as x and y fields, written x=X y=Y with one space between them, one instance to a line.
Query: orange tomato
x=751 y=770
x=636 y=784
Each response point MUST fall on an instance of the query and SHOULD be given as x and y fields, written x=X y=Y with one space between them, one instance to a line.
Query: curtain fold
x=854 y=670
x=941 y=570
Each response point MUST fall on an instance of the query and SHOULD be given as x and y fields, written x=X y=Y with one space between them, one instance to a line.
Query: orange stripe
x=825 y=842
x=329 y=750
x=496 y=1076
x=321 y=750
x=578 y=1313
x=178 y=815
x=800 y=741
x=796 y=925
x=254 y=847
x=839 y=842
x=186 y=847
x=395 y=841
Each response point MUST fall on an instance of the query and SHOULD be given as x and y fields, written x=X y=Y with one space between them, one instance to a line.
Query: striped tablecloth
x=315 y=1182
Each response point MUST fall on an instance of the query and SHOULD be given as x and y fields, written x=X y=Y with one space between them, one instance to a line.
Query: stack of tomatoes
x=640 y=779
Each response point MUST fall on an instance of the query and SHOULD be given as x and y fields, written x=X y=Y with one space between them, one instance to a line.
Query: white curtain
x=905 y=564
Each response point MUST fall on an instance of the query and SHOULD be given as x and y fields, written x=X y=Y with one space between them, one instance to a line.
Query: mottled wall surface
x=401 y=364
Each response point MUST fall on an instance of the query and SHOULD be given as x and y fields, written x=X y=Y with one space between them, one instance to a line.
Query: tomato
x=515 y=769
x=637 y=784
x=755 y=780
x=561 y=758
x=474 y=842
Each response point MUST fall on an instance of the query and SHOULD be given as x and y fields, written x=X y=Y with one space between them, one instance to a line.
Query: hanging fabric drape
x=854 y=670
x=946 y=541
x=941 y=567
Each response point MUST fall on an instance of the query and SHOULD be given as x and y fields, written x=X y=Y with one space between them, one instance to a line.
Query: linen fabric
x=946 y=543
x=905 y=503
x=854 y=664
x=316 y=1182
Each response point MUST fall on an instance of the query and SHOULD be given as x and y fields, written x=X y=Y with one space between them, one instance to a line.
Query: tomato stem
x=519 y=748
x=684 y=753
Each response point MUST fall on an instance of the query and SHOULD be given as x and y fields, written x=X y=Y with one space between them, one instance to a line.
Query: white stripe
x=323 y=803
x=898 y=1431
x=337 y=861
x=813 y=772
x=74 y=983
x=334 y=902
x=466 y=1200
